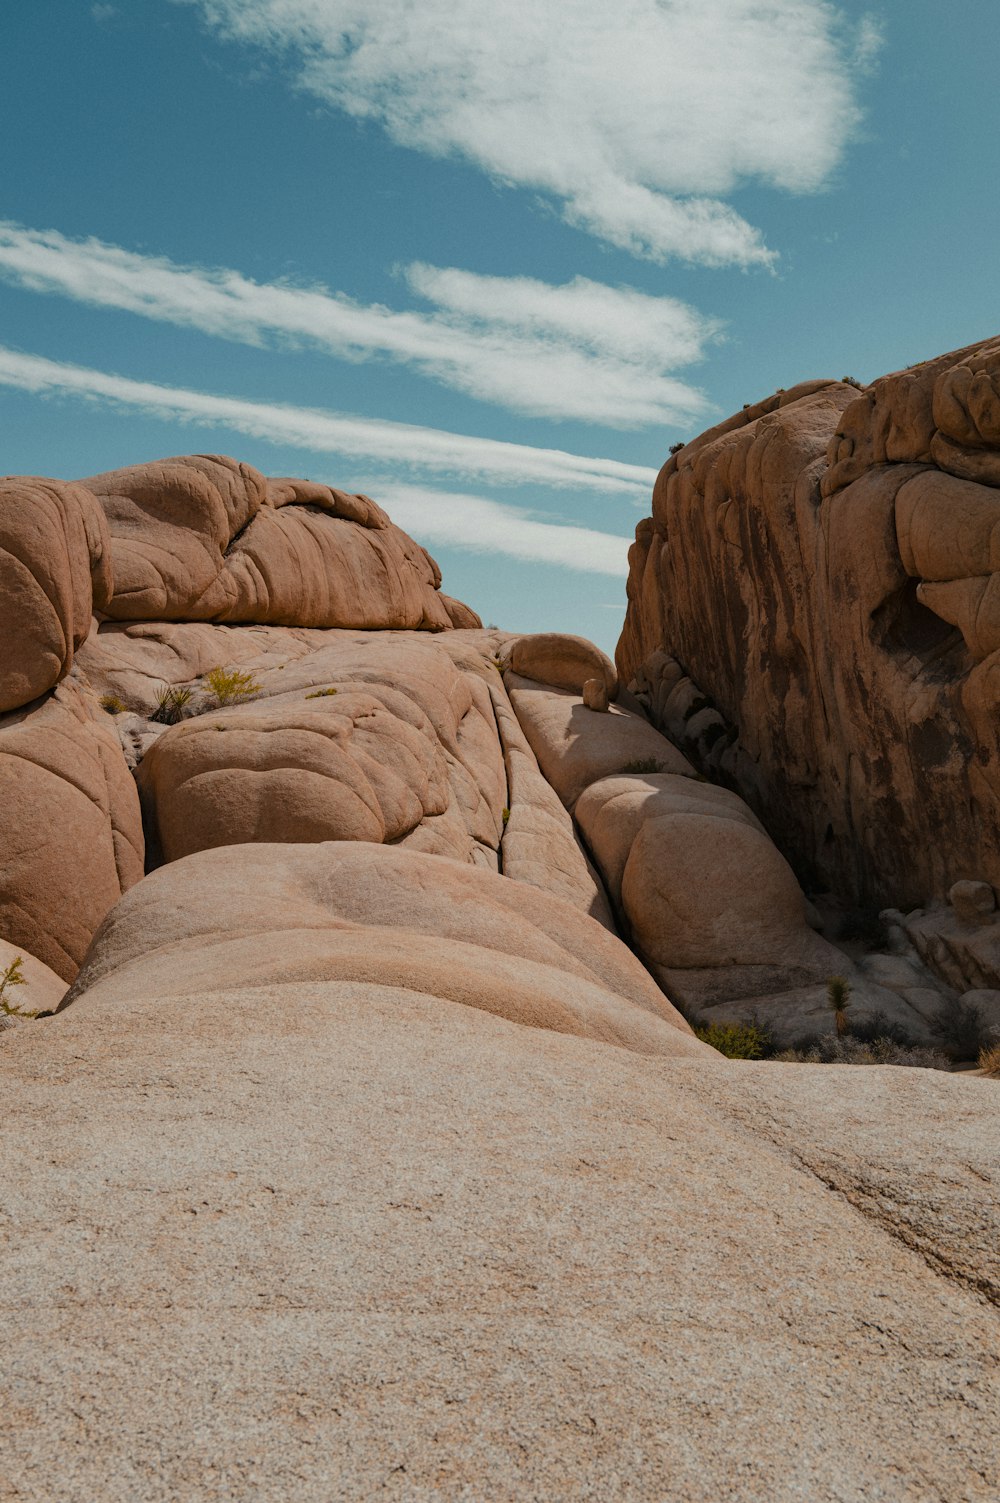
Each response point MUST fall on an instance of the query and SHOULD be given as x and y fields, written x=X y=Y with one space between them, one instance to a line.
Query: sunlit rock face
x=814 y=616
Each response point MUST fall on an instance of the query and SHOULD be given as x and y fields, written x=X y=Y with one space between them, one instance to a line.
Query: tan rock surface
x=70 y=829
x=55 y=571
x=564 y=661
x=345 y=912
x=41 y=990
x=303 y=1241
x=357 y=737
x=576 y=746
x=804 y=572
x=205 y=538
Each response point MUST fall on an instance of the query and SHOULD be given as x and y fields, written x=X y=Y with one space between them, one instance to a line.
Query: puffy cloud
x=638 y=118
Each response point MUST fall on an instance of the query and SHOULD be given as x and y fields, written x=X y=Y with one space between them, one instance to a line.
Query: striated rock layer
x=813 y=618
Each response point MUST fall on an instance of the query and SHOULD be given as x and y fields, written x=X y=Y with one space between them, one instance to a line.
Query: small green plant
x=113 y=704
x=505 y=814
x=321 y=693
x=737 y=1040
x=10 y=978
x=838 y=996
x=676 y=448
x=231 y=686
x=989 y=1061
x=643 y=764
x=851 y=381
x=171 y=702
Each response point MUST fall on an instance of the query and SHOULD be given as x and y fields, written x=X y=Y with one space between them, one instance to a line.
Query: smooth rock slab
x=295 y=1243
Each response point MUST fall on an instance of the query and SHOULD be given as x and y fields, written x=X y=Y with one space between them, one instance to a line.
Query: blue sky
x=485 y=261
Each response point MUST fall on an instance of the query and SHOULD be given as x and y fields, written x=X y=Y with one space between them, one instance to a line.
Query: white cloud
x=477 y=525
x=639 y=118
x=583 y=350
x=318 y=432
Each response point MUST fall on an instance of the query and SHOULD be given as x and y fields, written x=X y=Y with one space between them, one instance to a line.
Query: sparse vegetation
x=231 y=686
x=737 y=1040
x=676 y=448
x=9 y=979
x=848 y=1050
x=643 y=764
x=989 y=1061
x=838 y=996
x=959 y=1029
x=505 y=815
x=113 y=704
x=321 y=693
x=171 y=703
x=851 y=381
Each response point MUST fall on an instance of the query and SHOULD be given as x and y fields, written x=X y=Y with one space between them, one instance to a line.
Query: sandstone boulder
x=205 y=538
x=70 y=829
x=385 y=917
x=55 y=571
x=365 y=737
x=564 y=661
x=575 y=747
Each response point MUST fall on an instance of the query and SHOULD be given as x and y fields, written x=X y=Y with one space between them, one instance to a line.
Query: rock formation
x=810 y=618
x=371 y=1147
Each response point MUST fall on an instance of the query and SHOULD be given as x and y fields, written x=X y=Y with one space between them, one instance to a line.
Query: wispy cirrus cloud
x=318 y=432
x=582 y=350
x=476 y=524
x=638 y=119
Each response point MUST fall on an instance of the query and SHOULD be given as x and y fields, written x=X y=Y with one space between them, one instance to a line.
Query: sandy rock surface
x=303 y=1241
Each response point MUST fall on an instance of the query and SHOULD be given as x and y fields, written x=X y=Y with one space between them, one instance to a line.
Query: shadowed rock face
x=813 y=617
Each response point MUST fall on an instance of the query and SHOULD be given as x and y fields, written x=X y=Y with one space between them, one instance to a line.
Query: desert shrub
x=505 y=815
x=113 y=704
x=959 y=1029
x=321 y=693
x=231 y=686
x=9 y=979
x=643 y=764
x=851 y=381
x=171 y=703
x=830 y=1050
x=676 y=448
x=737 y=1040
x=880 y=1026
x=989 y=1061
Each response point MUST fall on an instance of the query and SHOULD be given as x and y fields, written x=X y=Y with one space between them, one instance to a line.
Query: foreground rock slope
x=363 y=1144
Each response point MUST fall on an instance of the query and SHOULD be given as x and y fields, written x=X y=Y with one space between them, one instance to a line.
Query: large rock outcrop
x=811 y=618
x=205 y=538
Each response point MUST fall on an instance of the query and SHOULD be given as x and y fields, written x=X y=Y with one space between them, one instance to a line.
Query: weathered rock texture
x=345 y=912
x=204 y=538
x=811 y=616
x=55 y=571
x=70 y=829
x=302 y=1240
